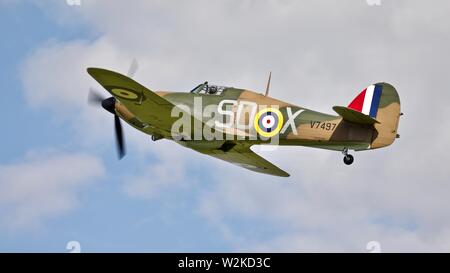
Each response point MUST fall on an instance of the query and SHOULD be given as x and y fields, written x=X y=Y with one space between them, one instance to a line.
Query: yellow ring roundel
x=124 y=94
x=268 y=122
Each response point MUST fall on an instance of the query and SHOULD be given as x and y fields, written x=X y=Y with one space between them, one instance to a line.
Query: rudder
x=388 y=114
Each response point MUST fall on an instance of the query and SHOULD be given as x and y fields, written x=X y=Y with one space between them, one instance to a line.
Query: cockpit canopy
x=205 y=88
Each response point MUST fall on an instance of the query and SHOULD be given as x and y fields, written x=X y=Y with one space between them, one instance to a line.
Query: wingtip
x=281 y=173
x=94 y=70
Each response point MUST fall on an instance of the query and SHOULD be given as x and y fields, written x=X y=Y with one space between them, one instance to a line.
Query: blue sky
x=106 y=219
x=60 y=179
x=31 y=27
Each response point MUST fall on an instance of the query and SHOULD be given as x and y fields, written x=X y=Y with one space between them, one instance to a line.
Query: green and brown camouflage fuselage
x=243 y=112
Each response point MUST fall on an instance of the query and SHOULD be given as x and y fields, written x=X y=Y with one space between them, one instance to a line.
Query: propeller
x=133 y=68
x=94 y=97
x=119 y=137
x=109 y=104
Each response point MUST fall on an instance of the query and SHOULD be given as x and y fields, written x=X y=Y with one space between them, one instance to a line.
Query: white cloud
x=55 y=75
x=167 y=173
x=321 y=53
x=327 y=206
x=42 y=186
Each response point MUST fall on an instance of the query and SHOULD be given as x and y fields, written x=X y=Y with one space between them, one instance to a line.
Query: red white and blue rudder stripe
x=368 y=100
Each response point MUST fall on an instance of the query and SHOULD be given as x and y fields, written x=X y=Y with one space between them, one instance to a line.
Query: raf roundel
x=268 y=122
x=125 y=94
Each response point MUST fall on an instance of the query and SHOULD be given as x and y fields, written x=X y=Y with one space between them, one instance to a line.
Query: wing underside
x=243 y=156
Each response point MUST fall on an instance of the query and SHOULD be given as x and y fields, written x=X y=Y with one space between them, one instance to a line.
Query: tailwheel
x=348 y=159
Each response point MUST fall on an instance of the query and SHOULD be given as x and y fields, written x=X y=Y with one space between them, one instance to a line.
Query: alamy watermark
x=374 y=247
x=232 y=120
x=73 y=2
x=73 y=247
x=373 y=2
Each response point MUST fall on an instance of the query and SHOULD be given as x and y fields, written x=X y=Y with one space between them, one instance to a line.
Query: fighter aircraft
x=224 y=122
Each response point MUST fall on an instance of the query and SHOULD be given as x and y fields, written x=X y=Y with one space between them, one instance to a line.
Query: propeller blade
x=94 y=97
x=109 y=105
x=133 y=68
x=119 y=137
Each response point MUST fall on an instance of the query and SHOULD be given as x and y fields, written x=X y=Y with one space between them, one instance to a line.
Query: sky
x=60 y=180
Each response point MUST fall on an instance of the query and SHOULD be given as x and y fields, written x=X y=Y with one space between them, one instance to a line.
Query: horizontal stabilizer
x=351 y=115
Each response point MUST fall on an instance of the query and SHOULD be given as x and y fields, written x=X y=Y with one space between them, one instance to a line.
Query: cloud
x=50 y=82
x=322 y=53
x=42 y=186
x=388 y=197
x=167 y=172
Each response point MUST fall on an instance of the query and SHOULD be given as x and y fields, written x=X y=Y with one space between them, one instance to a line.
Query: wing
x=150 y=108
x=156 y=111
x=243 y=156
x=354 y=116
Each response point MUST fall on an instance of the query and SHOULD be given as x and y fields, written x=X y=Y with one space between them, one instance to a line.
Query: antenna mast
x=268 y=84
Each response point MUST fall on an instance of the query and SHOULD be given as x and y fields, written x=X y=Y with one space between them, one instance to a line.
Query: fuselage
x=238 y=109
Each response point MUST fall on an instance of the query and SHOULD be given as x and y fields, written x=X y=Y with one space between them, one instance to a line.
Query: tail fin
x=368 y=101
x=377 y=105
x=381 y=102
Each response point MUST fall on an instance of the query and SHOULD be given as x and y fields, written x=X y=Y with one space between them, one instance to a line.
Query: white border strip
x=368 y=100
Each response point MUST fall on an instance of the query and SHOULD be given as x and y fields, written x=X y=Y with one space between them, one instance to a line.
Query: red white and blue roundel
x=268 y=122
x=368 y=100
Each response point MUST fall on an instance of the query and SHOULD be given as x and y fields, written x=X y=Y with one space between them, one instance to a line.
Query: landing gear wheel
x=348 y=159
x=156 y=137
